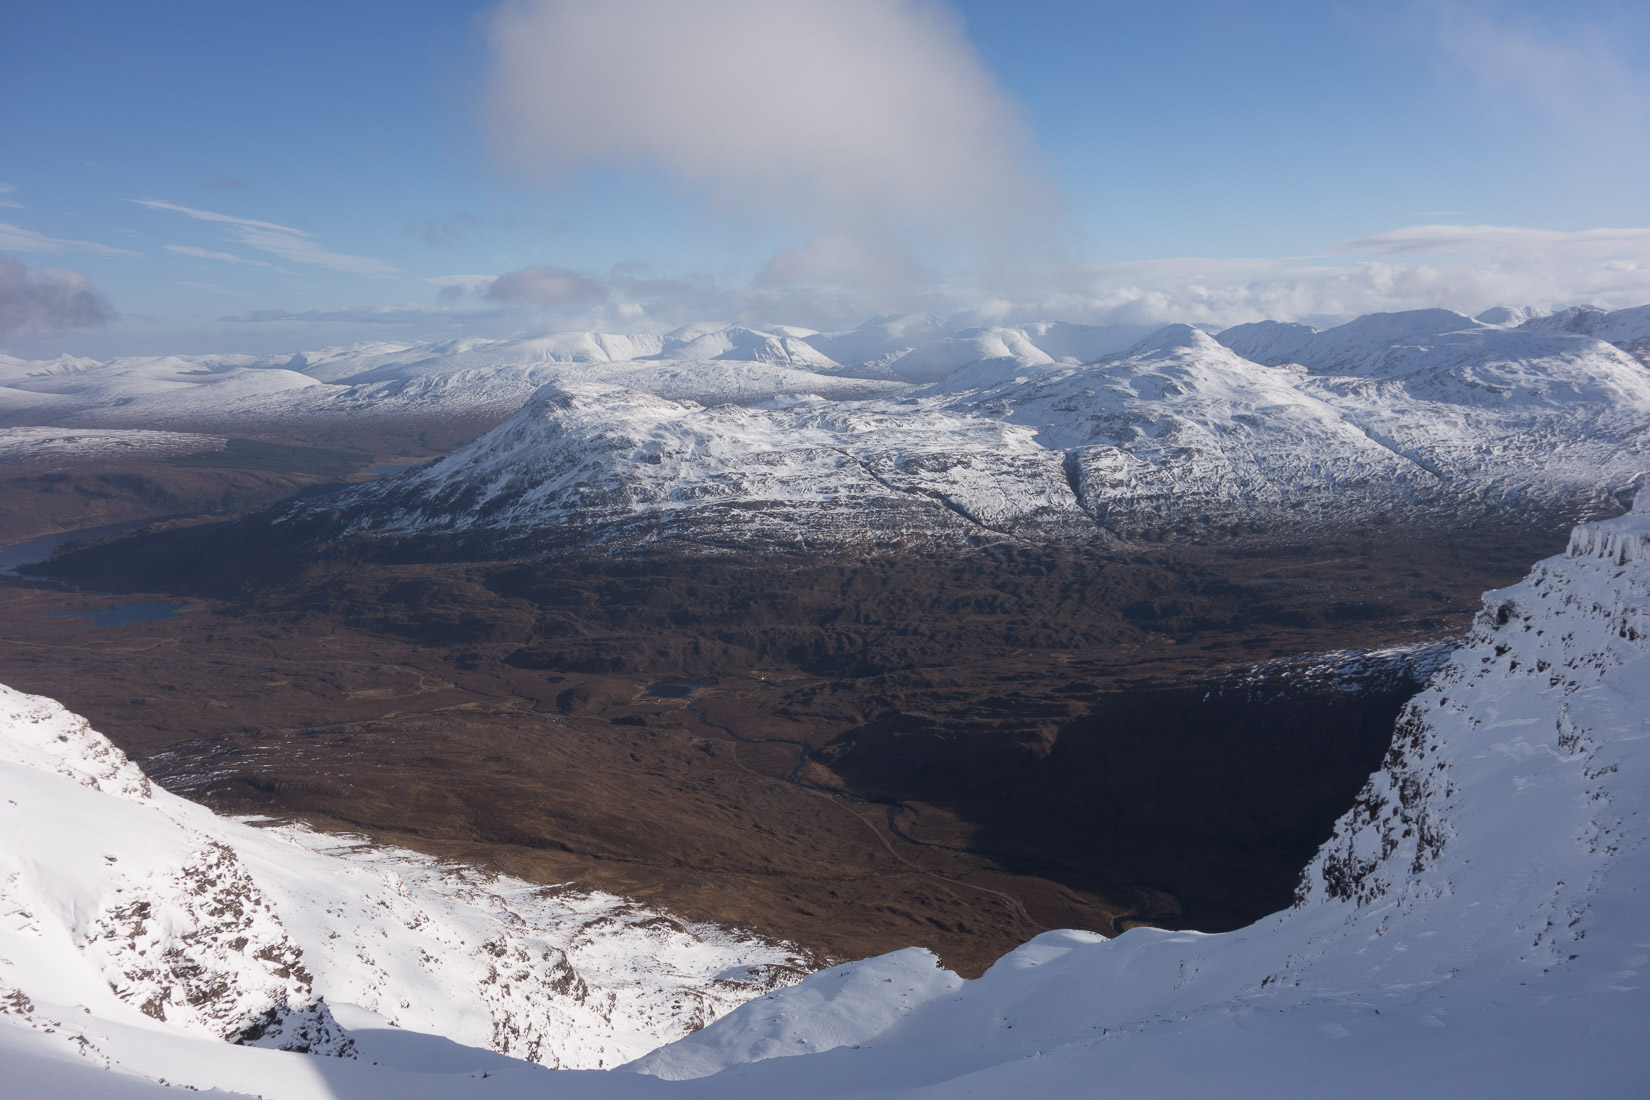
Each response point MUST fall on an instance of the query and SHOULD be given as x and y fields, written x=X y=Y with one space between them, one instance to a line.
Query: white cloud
x=835 y=259
x=823 y=286
x=296 y=245
x=224 y=257
x=546 y=286
x=454 y=288
x=1566 y=75
x=1462 y=239
x=303 y=250
x=211 y=216
x=1227 y=292
x=863 y=117
x=6 y=189
x=14 y=238
x=356 y=315
x=46 y=300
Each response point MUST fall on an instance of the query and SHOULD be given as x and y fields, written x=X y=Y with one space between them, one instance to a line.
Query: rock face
x=1474 y=921
x=138 y=907
x=1427 y=415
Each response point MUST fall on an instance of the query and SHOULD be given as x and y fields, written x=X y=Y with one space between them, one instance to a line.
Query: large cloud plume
x=848 y=116
x=46 y=300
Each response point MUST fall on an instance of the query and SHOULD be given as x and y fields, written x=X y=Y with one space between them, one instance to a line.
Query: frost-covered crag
x=121 y=904
x=1427 y=416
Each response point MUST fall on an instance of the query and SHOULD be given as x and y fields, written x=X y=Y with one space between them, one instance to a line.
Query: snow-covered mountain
x=460 y=378
x=588 y=461
x=906 y=430
x=122 y=905
x=711 y=363
x=1474 y=927
x=1628 y=329
x=1401 y=415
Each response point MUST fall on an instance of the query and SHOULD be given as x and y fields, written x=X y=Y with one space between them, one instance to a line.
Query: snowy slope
x=131 y=906
x=1180 y=426
x=878 y=340
x=1474 y=928
x=35 y=445
x=141 y=392
x=1178 y=431
x=588 y=460
x=1628 y=329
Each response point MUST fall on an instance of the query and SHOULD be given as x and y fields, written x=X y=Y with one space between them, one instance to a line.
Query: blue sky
x=1211 y=162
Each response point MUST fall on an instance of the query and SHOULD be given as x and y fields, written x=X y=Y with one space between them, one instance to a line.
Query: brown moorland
x=858 y=753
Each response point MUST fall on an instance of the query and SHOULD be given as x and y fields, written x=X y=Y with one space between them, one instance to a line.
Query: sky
x=193 y=177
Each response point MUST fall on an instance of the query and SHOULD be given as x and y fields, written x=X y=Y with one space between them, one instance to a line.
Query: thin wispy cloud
x=5 y=190
x=195 y=252
x=450 y=232
x=15 y=238
x=1565 y=75
x=213 y=216
x=358 y=315
x=1460 y=239
x=296 y=245
x=303 y=250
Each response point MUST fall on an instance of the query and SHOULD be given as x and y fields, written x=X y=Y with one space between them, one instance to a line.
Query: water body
x=124 y=614
x=14 y=557
x=679 y=689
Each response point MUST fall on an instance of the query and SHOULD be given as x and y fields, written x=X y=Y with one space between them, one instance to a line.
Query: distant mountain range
x=904 y=431
x=1182 y=434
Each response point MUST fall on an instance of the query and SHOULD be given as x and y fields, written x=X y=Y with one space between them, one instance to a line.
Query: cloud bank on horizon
x=883 y=161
